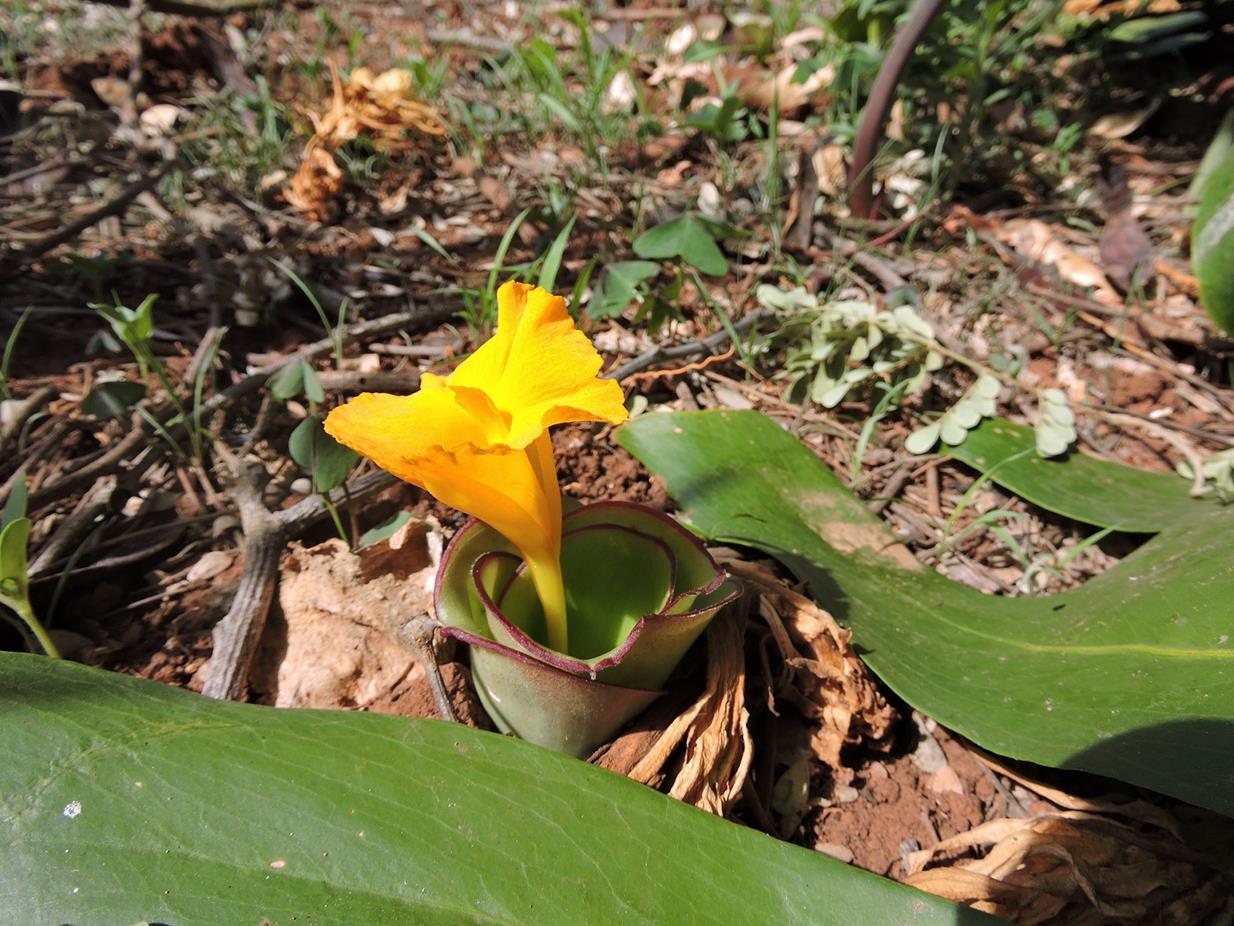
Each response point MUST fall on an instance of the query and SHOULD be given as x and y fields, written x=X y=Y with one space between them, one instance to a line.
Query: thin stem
x=338 y=524
x=26 y=613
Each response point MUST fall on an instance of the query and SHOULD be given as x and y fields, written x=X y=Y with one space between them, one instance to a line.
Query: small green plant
x=689 y=237
x=620 y=284
x=835 y=348
x=15 y=572
x=10 y=345
x=726 y=123
x=325 y=460
x=1218 y=472
x=135 y=329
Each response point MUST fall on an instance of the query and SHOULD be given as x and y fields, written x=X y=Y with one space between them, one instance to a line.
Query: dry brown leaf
x=827 y=682
x=1124 y=248
x=1142 y=811
x=1040 y=242
x=1104 y=9
x=758 y=89
x=1121 y=124
x=381 y=107
x=315 y=185
x=1073 y=867
x=714 y=730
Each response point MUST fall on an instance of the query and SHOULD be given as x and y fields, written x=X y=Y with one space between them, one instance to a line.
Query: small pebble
x=843 y=853
x=944 y=781
x=845 y=795
x=210 y=565
x=301 y=486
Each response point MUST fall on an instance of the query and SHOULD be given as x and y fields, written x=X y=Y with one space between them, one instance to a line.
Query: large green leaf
x=1212 y=243
x=124 y=801
x=1080 y=487
x=1130 y=675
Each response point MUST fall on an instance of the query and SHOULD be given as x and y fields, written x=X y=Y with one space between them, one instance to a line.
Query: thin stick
x=92 y=504
x=660 y=353
x=24 y=409
x=688 y=368
x=112 y=207
x=418 y=635
x=87 y=474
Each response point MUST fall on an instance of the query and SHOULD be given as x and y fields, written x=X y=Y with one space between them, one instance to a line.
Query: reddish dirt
x=591 y=467
x=892 y=807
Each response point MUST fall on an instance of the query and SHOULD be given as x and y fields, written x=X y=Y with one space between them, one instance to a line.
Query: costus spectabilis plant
x=575 y=615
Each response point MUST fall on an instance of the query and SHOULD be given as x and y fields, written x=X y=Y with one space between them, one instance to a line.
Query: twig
x=87 y=474
x=893 y=486
x=112 y=207
x=236 y=635
x=417 y=635
x=1170 y=437
x=43 y=167
x=431 y=315
x=469 y=39
x=265 y=536
x=94 y=503
x=1186 y=429
x=350 y=381
x=877 y=268
x=24 y=409
x=201 y=8
x=137 y=12
x=661 y=353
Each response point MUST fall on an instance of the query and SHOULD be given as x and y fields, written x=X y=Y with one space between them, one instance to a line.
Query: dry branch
x=265 y=537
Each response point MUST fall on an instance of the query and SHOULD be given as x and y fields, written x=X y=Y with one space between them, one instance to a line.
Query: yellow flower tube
x=478 y=438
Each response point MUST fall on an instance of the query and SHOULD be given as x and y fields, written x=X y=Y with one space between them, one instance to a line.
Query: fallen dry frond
x=714 y=731
x=315 y=185
x=1076 y=867
x=826 y=680
x=380 y=107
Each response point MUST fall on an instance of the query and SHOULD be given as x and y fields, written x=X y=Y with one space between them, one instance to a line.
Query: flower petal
x=538 y=368
x=435 y=441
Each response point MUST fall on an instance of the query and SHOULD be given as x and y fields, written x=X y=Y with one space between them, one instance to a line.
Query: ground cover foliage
x=969 y=452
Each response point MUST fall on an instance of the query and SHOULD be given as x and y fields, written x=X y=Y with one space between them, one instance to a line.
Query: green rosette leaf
x=640 y=590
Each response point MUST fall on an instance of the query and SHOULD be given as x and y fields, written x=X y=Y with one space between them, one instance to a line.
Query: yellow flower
x=478 y=439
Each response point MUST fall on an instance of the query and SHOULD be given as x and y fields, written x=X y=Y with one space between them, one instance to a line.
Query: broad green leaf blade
x=1080 y=487
x=1218 y=149
x=1212 y=244
x=385 y=531
x=618 y=287
x=288 y=382
x=1129 y=676
x=125 y=801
